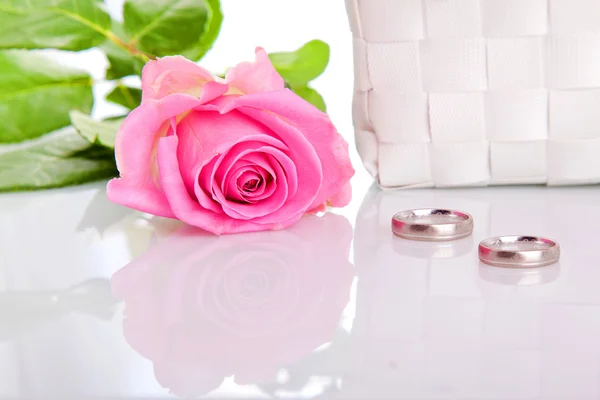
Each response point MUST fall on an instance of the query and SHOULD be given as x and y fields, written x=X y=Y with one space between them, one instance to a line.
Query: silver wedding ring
x=432 y=225
x=519 y=251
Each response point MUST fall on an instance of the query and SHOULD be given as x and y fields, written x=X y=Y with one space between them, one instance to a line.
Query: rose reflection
x=203 y=308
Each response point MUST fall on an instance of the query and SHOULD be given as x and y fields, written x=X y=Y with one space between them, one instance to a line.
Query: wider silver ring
x=519 y=251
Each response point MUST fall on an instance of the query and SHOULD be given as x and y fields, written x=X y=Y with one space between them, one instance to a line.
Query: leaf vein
x=53 y=85
x=134 y=40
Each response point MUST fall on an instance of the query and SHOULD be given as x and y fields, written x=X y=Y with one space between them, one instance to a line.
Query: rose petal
x=240 y=149
x=266 y=189
x=175 y=74
x=258 y=175
x=138 y=136
x=143 y=199
x=240 y=168
x=258 y=76
x=188 y=210
x=248 y=176
x=205 y=173
x=316 y=126
x=269 y=205
x=202 y=186
x=302 y=154
x=203 y=135
x=288 y=166
x=343 y=197
x=234 y=156
x=136 y=148
x=136 y=153
x=318 y=209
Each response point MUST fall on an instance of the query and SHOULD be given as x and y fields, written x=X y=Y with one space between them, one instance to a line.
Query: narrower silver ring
x=519 y=251
x=432 y=224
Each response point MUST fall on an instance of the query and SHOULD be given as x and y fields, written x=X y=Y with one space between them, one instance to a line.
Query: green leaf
x=37 y=94
x=96 y=152
x=126 y=96
x=303 y=65
x=311 y=95
x=60 y=24
x=122 y=62
x=54 y=160
x=211 y=32
x=165 y=27
x=98 y=132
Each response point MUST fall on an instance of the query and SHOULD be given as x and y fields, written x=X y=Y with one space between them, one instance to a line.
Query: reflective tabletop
x=97 y=301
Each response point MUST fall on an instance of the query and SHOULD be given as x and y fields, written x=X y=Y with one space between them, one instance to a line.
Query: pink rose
x=203 y=308
x=235 y=155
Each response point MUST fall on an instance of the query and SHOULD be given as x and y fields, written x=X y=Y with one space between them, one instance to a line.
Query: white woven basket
x=477 y=92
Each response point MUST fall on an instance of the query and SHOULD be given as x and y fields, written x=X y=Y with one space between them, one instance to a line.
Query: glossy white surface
x=297 y=313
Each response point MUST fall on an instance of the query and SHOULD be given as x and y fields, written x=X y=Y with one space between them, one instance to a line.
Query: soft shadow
x=203 y=308
x=519 y=276
x=101 y=213
x=23 y=312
